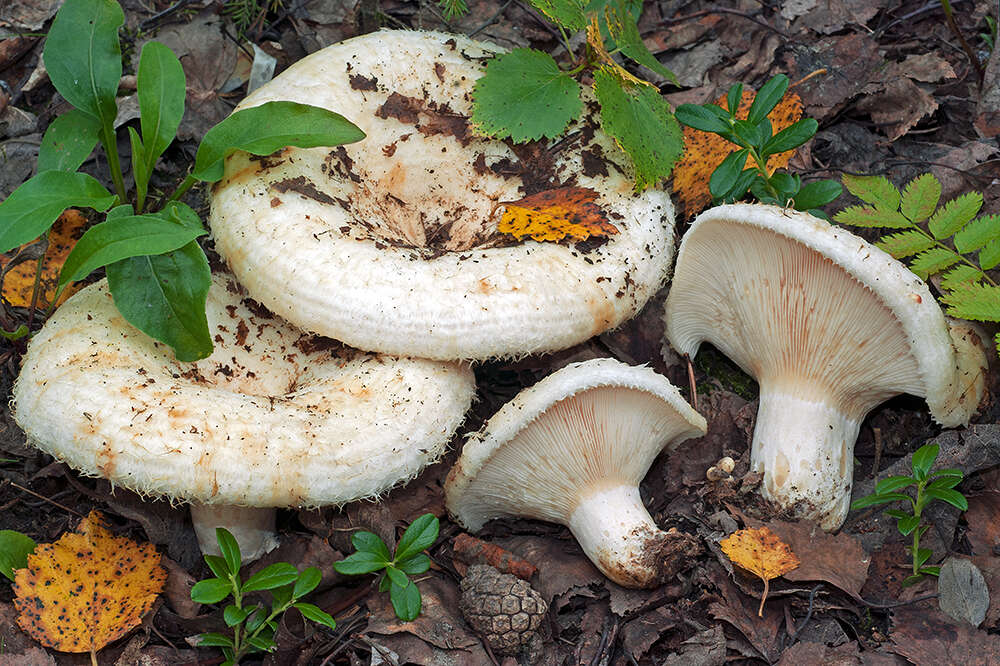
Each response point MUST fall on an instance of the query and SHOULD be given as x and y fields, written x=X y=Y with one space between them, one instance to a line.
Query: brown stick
x=471 y=550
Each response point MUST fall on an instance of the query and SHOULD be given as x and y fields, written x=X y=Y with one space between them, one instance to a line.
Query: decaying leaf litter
x=894 y=95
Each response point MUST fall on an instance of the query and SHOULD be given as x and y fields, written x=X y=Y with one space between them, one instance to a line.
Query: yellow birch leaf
x=19 y=282
x=87 y=589
x=762 y=553
x=704 y=151
x=553 y=215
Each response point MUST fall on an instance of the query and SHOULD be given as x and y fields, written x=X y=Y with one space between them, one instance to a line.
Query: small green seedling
x=253 y=626
x=14 y=550
x=732 y=179
x=373 y=555
x=929 y=486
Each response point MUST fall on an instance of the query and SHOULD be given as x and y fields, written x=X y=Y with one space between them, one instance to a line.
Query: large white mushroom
x=830 y=326
x=273 y=418
x=572 y=449
x=390 y=244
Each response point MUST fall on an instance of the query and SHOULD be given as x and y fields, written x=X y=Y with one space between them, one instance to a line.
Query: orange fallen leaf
x=87 y=589
x=553 y=215
x=762 y=553
x=704 y=151
x=19 y=282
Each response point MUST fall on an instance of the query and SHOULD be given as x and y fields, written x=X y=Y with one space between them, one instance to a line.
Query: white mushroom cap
x=572 y=449
x=830 y=326
x=390 y=244
x=273 y=418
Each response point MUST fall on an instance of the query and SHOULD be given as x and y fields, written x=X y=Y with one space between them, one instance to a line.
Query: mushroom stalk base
x=253 y=528
x=805 y=450
x=620 y=538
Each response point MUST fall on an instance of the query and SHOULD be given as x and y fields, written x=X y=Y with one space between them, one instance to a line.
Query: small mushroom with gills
x=273 y=418
x=830 y=326
x=572 y=449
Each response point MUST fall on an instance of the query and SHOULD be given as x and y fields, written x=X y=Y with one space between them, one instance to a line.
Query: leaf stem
x=107 y=136
x=182 y=189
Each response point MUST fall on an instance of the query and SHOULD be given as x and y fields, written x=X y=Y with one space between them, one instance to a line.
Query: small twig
x=691 y=383
x=794 y=635
x=722 y=10
x=897 y=604
x=492 y=19
x=46 y=499
x=148 y=23
x=973 y=58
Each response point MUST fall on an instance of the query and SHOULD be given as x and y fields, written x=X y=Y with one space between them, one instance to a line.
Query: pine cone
x=503 y=608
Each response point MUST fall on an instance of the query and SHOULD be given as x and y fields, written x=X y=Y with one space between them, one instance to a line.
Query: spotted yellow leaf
x=762 y=553
x=19 y=281
x=556 y=214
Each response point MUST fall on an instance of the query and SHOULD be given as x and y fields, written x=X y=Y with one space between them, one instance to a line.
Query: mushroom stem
x=252 y=527
x=805 y=450
x=619 y=536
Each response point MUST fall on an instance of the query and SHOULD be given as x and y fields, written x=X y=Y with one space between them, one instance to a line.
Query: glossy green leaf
x=214 y=640
x=317 y=615
x=953 y=497
x=791 y=137
x=307 y=582
x=160 y=87
x=140 y=171
x=272 y=576
x=228 y=546
x=767 y=98
x=817 y=193
x=361 y=562
x=370 y=542
x=164 y=296
x=724 y=178
x=893 y=483
x=31 y=209
x=700 y=118
x=417 y=564
x=281 y=597
x=261 y=643
x=395 y=576
x=14 y=550
x=945 y=482
x=733 y=98
x=233 y=615
x=405 y=601
x=421 y=534
x=218 y=566
x=263 y=129
x=873 y=500
x=920 y=197
x=923 y=554
x=211 y=590
x=923 y=459
x=68 y=141
x=874 y=190
x=907 y=525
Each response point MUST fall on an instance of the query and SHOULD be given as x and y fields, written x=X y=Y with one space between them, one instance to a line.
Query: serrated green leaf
x=989 y=256
x=960 y=275
x=977 y=233
x=933 y=261
x=567 y=13
x=867 y=216
x=640 y=121
x=874 y=190
x=976 y=302
x=68 y=141
x=905 y=243
x=624 y=31
x=920 y=197
x=525 y=96
x=955 y=214
x=14 y=550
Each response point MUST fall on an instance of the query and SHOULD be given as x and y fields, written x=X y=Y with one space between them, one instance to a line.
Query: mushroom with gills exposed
x=572 y=449
x=273 y=418
x=391 y=244
x=830 y=326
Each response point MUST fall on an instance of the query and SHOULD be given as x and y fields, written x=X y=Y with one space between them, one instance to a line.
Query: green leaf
x=791 y=137
x=976 y=302
x=281 y=597
x=873 y=500
x=955 y=214
x=525 y=96
x=262 y=643
x=161 y=88
x=405 y=601
x=891 y=483
x=912 y=580
x=866 y=216
x=233 y=615
x=256 y=618
x=361 y=562
x=14 y=550
x=372 y=543
x=905 y=243
x=218 y=566
x=68 y=141
x=83 y=56
x=742 y=184
x=931 y=571
x=417 y=564
x=121 y=238
x=623 y=29
x=700 y=118
x=164 y=296
x=945 y=482
x=263 y=129
x=907 y=525
x=933 y=261
x=724 y=178
x=228 y=545
x=920 y=197
x=640 y=121
x=874 y=190
x=989 y=256
x=567 y=13
x=960 y=275
x=923 y=459
x=977 y=233
x=896 y=513
x=733 y=98
x=18 y=333
x=923 y=554
x=32 y=208
x=314 y=613
x=272 y=576
x=953 y=497
x=817 y=193
x=214 y=640
x=307 y=582
x=950 y=472
x=396 y=577
x=421 y=534
x=767 y=98
x=139 y=169
x=211 y=590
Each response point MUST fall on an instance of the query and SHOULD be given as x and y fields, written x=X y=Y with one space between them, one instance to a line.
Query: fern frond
x=906 y=243
x=866 y=216
x=960 y=276
x=452 y=9
x=933 y=261
x=874 y=190
x=955 y=214
x=977 y=233
x=920 y=197
x=976 y=302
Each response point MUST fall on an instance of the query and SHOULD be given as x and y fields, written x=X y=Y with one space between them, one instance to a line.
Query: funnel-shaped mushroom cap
x=830 y=326
x=572 y=449
x=273 y=418
x=390 y=244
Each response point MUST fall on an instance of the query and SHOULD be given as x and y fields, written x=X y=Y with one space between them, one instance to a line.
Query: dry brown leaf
x=87 y=589
x=19 y=283
x=762 y=553
x=704 y=151
x=553 y=215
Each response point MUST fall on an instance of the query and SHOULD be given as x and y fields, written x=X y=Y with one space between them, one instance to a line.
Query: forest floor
x=894 y=94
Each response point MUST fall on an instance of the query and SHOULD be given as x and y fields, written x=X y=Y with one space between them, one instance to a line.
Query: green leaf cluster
x=525 y=95
x=372 y=555
x=14 y=550
x=952 y=240
x=253 y=626
x=757 y=141
x=452 y=9
x=930 y=486
x=158 y=274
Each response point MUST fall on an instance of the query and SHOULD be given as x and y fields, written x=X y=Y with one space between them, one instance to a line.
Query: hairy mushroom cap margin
x=830 y=326
x=572 y=449
x=390 y=244
x=273 y=418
